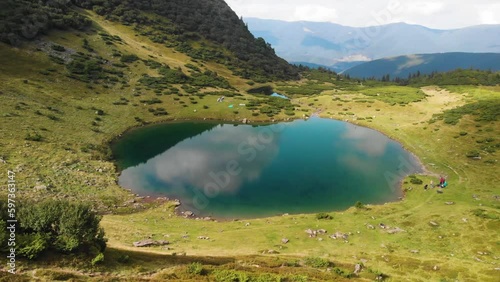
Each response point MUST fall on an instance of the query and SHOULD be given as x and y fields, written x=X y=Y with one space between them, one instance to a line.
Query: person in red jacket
x=441 y=181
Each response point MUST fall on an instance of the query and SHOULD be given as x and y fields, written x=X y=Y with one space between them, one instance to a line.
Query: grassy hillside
x=197 y=28
x=68 y=93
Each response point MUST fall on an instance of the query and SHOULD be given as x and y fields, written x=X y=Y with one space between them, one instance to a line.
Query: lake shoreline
x=179 y=211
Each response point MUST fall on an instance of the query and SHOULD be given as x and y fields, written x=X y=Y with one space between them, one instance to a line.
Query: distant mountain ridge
x=403 y=66
x=332 y=44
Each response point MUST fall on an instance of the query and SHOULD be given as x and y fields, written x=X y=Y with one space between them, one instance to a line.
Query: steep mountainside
x=329 y=44
x=403 y=66
x=205 y=30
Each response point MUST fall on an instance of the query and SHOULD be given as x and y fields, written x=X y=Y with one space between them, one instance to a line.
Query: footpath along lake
x=244 y=171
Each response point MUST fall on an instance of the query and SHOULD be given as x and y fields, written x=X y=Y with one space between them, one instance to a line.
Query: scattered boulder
x=177 y=203
x=381 y=225
x=245 y=121
x=339 y=235
x=285 y=240
x=357 y=268
x=270 y=252
x=433 y=223
x=138 y=206
x=129 y=202
x=188 y=213
x=321 y=231
x=312 y=233
x=369 y=226
x=464 y=219
x=203 y=237
x=395 y=230
x=450 y=203
x=150 y=242
x=40 y=187
x=435 y=267
x=414 y=251
x=247 y=224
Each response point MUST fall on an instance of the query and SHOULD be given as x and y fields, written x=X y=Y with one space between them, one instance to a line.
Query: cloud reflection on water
x=192 y=163
x=366 y=141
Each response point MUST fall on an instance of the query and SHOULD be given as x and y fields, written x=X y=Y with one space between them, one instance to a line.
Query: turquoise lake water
x=243 y=171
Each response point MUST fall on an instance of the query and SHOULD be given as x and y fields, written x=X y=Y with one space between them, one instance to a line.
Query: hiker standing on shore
x=441 y=181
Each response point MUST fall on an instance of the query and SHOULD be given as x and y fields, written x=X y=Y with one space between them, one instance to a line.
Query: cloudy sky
x=442 y=14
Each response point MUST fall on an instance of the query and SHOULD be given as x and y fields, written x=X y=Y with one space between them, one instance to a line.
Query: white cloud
x=354 y=58
x=315 y=13
x=425 y=8
x=489 y=17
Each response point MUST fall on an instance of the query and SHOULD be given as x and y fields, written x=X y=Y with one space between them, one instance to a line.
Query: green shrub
x=484 y=214
x=323 y=215
x=53 y=117
x=317 y=262
x=129 y=58
x=415 y=180
x=359 y=205
x=342 y=273
x=58 y=48
x=33 y=244
x=98 y=259
x=195 y=268
x=151 y=101
x=267 y=277
x=299 y=278
x=472 y=154
x=69 y=227
x=230 y=276
x=33 y=137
